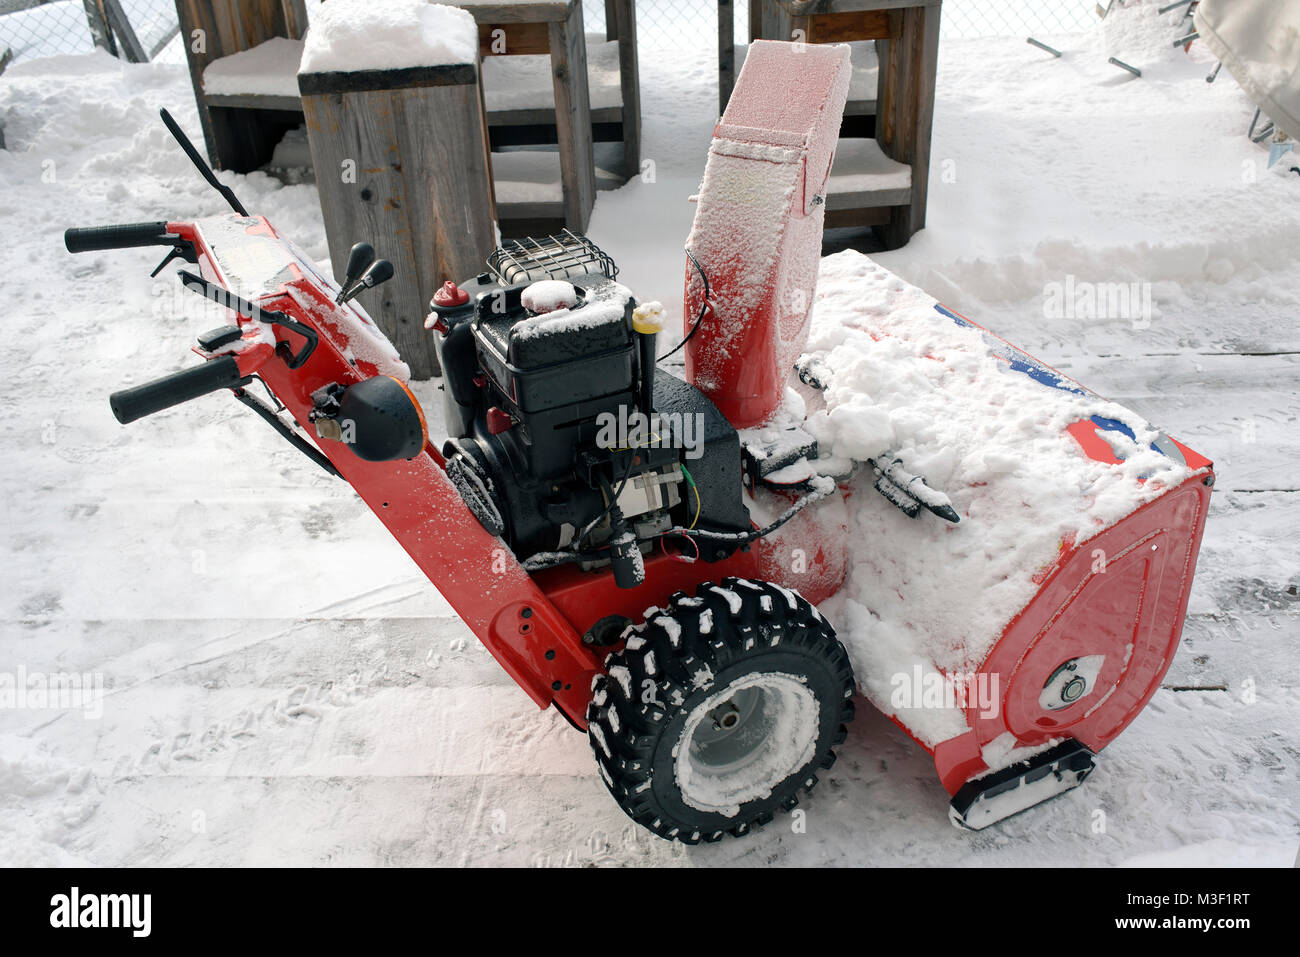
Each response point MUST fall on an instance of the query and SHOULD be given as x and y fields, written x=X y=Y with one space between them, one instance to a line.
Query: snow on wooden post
x=398 y=135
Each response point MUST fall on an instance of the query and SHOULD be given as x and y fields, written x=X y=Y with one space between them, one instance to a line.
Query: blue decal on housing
x=1020 y=361
x=1027 y=365
x=1114 y=425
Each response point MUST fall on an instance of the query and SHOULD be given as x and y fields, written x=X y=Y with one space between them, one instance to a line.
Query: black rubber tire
x=639 y=710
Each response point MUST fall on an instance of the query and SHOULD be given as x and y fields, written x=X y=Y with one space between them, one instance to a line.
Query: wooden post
x=726 y=52
x=629 y=83
x=905 y=110
x=907 y=45
x=611 y=19
x=573 y=117
x=238 y=139
x=121 y=26
x=401 y=162
x=98 y=23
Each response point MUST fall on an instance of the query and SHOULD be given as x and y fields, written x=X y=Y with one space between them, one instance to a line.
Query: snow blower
x=645 y=552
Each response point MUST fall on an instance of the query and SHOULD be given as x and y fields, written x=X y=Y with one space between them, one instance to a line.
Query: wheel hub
x=743 y=741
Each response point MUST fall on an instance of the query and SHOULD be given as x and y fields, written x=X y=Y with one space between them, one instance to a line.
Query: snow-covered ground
x=283 y=687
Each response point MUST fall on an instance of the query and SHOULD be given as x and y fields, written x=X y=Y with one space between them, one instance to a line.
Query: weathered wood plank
x=518 y=11
x=860 y=216
x=777 y=22
x=545 y=117
x=573 y=118
x=432 y=220
x=879 y=198
x=295 y=17
x=611 y=20
x=513 y=39
x=494 y=215
x=805 y=8
x=843 y=27
x=905 y=108
x=254 y=101
x=629 y=84
x=366 y=81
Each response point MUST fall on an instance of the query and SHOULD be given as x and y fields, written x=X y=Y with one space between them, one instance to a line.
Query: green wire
x=690 y=481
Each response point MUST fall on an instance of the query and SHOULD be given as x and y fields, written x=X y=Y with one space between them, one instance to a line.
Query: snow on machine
x=646 y=553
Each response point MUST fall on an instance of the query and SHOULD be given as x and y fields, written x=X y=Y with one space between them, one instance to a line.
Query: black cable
x=627 y=475
x=543 y=560
x=744 y=538
x=703 y=308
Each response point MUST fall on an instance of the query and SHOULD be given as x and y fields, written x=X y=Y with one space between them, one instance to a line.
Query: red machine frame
x=532 y=624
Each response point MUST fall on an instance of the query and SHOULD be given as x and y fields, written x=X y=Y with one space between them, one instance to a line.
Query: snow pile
x=353 y=35
x=43 y=799
x=590 y=316
x=547 y=295
x=608 y=304
x=268 y=69
x=907 y=379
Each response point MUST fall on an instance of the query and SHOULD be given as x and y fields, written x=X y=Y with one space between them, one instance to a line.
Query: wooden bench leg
x=432 y=221
x=630 y=82
x=905 y=113
x=573 y=118
x=611 y=19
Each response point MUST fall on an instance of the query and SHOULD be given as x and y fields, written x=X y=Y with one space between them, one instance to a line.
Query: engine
x=565 y=439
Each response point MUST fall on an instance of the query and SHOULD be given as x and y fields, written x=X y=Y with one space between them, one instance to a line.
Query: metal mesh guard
x=551 y=257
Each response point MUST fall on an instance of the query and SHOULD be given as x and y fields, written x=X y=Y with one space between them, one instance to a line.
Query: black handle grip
x=91 y=238
x=141 y=400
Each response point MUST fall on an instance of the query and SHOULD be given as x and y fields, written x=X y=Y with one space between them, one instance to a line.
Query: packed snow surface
x=355 y=35
x=282 y=686
x=268 y=69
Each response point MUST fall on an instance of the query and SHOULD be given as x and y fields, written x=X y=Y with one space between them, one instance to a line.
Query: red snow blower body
x=659 y=589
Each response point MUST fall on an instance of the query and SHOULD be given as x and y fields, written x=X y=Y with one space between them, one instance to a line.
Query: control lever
x=359 y=260
x=224 y=297
x=377 y=273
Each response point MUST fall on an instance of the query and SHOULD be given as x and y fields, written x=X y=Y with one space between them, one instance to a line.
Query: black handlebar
x=92 y=238
x=141 y=400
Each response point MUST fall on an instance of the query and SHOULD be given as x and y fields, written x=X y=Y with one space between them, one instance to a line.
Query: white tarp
x=1259 y=42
